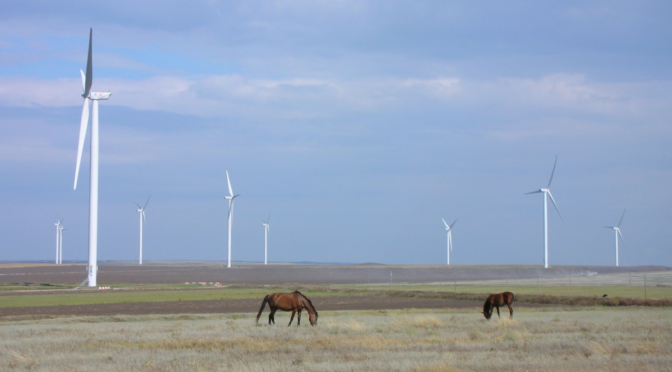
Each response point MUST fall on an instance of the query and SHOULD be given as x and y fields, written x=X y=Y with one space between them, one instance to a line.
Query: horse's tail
x=263 y=304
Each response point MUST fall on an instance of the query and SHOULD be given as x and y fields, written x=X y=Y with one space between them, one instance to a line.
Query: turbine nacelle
x=99 y=96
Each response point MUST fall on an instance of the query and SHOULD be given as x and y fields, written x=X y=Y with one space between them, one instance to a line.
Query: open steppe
x=427 y=320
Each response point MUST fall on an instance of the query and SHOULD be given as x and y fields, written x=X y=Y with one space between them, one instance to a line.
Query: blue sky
x=359 y=124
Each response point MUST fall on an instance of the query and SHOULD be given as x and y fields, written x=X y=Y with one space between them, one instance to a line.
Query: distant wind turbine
x=267 y=230
x=449 y=230
x=58 y=239
x=617 y=234
x=230 y=198
x=60 y=250
x=141 y=210
x=547 y=192
x=94 y=97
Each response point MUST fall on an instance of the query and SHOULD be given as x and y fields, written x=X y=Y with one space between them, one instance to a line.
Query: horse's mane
x=308 y=299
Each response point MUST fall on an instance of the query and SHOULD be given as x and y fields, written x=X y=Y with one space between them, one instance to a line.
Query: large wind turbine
x=141 y=210
x=58 y=239
x=449 y=230
x=230 y=198
x=267 y=230
x=89 y=96
x=617 y=234
x=547 y=192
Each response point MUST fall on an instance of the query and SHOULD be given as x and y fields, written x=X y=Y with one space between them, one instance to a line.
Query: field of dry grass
x=608 y=339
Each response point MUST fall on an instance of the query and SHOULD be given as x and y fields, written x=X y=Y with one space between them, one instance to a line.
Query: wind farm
x=361 y=125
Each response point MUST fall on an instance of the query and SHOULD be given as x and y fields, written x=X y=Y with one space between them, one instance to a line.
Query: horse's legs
x=498 y=313
x=271 y=316
x=510 y=312
x=298 y=320
x=292 y=318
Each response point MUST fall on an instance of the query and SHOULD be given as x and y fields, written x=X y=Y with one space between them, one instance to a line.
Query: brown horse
x=496 y=300
x=294 y=302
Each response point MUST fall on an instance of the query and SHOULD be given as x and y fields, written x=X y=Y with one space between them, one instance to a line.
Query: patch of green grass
x=112 y=296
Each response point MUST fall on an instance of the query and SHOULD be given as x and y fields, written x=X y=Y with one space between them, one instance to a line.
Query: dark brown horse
x=294 y=302
x=496 y=300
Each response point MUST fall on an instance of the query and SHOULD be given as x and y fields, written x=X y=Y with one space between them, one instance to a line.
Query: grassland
x=622 y=339
x=161 y=293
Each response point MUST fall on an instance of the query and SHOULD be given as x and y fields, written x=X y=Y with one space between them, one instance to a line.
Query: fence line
x=649 y=279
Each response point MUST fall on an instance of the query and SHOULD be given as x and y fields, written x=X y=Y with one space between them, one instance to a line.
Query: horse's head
x=487 y=315
x=312 y=317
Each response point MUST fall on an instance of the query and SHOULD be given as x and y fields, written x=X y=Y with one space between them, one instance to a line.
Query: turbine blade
x=229 y=182
x=444 y=222
x=143 y=208
x=83 y=81
x=144 y=220
x=553 y=172
x=269 y=217
x=82 y=136
x=89 y=67
x=453 y=224
x=619 y=222
x=555 y=205
x=139 y=207
x=533 y=192
x=621 y=235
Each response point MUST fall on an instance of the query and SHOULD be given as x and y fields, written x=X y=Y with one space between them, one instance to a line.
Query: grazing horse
x=294 y=302
x=496 y=300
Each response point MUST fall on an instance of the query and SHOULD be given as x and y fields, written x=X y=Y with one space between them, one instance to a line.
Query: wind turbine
x=547 y=192
x=141 y=210
x=617 y=234
x=230 y=198
x=449 y=230
x=60 y=250
x=267 y=230
x=91 y=97
x=58 y=239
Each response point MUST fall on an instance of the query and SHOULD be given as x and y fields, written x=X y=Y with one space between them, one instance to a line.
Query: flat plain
x=424 y=324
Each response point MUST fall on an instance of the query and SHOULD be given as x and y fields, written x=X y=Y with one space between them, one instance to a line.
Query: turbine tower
x=230 y=198
x=60 y=250
x=617 y=234
x=547 y=193
x=58 y=239
x=449 y=230
x=267 y=230
x=141 y=210
x=91 y=97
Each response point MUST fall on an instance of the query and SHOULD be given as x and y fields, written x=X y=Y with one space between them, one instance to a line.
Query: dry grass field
x=604 y=339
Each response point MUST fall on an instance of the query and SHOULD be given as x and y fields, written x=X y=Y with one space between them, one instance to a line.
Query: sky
x=357 y=125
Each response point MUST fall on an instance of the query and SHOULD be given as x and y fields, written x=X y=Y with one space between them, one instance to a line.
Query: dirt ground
x=240 y=306
x=154 y=273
